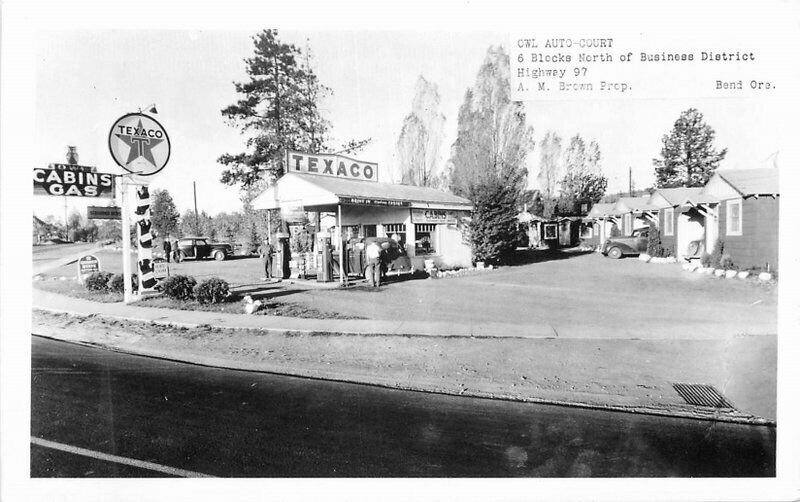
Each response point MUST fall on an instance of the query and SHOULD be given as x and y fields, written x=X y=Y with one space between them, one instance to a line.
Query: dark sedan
x=199 y=247
x=634 y=244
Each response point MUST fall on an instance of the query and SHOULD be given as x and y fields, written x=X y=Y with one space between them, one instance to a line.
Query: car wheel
x=615 y=253
x=180 y=257
x=219 y=255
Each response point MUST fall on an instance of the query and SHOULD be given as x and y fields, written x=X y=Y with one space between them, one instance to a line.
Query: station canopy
x=326 y=193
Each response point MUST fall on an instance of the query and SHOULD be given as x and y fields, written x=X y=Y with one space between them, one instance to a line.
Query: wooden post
x=126 y=241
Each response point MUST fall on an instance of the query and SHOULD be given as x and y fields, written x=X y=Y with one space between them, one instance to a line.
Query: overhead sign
x=369 y=201
x=336 y=166
x=436 y=216
x=139 y=144
x=292 y=211
x=103 y=213
x=87 y=265
x=72 y=183
x=73 y=167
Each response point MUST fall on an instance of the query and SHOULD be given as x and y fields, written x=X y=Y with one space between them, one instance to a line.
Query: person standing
x=373 y=272
x=265 y=251
x=167 y=249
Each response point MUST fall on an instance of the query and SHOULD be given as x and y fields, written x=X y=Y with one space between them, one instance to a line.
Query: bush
x=726 y=261
x=494 y=220
x=212 y=290
x=98 y=281
x=654 y=241
x=179 y=287
x=117 y=282
x=705 y=260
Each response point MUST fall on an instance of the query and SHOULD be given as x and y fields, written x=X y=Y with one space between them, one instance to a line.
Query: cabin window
x=669 y=221
x=425 y=239
x=587 y=230
x=733 y=224
x=550 y=231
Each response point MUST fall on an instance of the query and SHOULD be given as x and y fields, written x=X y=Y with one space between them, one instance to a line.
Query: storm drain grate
x=701 y=395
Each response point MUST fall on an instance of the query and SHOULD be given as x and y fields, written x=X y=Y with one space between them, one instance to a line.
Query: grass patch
x=71 y=288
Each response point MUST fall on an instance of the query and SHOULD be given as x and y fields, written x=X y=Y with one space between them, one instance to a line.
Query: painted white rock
x=708 y=270
x=672 y=259
x=730 y=274
x=765 y=276
x=743 y=275
x=719 y=272
x=644 y=257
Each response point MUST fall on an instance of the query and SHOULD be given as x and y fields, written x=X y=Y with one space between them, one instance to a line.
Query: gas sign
x=72 y=183
x=139 y=144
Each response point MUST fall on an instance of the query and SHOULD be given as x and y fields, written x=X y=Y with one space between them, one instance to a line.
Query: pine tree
x=163 y=213
x=278 y=108
x=688 y=157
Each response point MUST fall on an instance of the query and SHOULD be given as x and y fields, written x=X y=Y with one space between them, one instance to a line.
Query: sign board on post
x=326 y=164
x=103 y=213
x=87 y=265
x=160 y=268
x=436 y=216
x=72 y=183
x=371 y=201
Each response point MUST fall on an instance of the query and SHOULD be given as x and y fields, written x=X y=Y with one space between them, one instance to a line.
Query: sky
x=85 y=79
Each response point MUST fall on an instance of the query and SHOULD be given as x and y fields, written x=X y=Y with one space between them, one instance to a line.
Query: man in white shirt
x=373 y=271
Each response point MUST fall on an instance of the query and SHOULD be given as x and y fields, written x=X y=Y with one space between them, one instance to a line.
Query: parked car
x=634 y=244
x=199 y=247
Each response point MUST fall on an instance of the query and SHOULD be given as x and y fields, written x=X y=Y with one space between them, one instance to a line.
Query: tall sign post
x=139 y=144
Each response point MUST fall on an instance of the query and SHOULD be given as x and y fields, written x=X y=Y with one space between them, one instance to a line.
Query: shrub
x=117 y=281
x=654 y=241
x=212 y=290
x=726 y=261
x=705 y=260
x=98 y=281
x=179 y=287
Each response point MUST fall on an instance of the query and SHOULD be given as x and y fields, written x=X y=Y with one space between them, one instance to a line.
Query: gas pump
x=325 y=261
x=282 y=256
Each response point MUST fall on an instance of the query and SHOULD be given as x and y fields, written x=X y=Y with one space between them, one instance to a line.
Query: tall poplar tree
x=493 y=138
x=421 y=138
x=688 y=157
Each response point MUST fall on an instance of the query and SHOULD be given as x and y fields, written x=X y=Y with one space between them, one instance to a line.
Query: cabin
x=681 y=220
x=635 y=212
x=604 y=219
x=748 y=207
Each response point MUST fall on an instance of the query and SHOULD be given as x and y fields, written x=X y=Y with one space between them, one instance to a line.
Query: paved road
x=153 y=414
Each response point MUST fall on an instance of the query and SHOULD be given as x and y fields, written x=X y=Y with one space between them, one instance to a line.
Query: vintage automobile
x=634 y=244
x=199 y=247
x=395 y=260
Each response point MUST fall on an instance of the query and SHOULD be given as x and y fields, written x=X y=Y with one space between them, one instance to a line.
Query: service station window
x=396 y=231
x=426 y=237
x=733 y=224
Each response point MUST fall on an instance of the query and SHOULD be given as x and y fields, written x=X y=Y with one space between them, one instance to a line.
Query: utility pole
x=630 y=181
x=196 y=215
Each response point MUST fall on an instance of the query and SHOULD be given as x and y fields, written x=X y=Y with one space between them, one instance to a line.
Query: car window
x=201 y=242
x=185 y=242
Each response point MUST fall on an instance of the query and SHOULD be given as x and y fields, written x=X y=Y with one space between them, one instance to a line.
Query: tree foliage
x=421 y=137
x=583 y=182
x=493 y=138
x=494 y=223
x=278 y=110
x=163 y=213
x=688 y=157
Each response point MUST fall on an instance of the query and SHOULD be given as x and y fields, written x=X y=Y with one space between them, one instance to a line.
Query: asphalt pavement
x=190 y=420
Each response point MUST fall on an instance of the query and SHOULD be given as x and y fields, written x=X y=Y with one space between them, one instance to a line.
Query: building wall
x=758 y=244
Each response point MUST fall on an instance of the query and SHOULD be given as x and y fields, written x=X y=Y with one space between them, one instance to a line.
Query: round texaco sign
x=139 y=144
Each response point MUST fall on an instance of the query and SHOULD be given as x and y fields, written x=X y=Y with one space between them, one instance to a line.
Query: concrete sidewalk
x=59 y=303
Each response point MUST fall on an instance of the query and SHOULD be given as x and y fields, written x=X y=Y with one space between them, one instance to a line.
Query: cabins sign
x=72 y=183
x=332 y=165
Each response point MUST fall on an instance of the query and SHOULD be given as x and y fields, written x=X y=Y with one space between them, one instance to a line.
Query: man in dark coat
x=167 y=249
x=265 y=251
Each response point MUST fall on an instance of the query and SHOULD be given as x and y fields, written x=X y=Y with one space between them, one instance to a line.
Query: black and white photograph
x=400 y=252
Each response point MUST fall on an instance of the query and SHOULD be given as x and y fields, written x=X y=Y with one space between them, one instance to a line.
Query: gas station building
x=349 y=203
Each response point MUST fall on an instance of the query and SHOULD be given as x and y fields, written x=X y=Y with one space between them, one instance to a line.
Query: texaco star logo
x=139 y=144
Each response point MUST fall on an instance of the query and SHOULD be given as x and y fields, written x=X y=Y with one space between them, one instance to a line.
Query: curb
x=221 y=363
